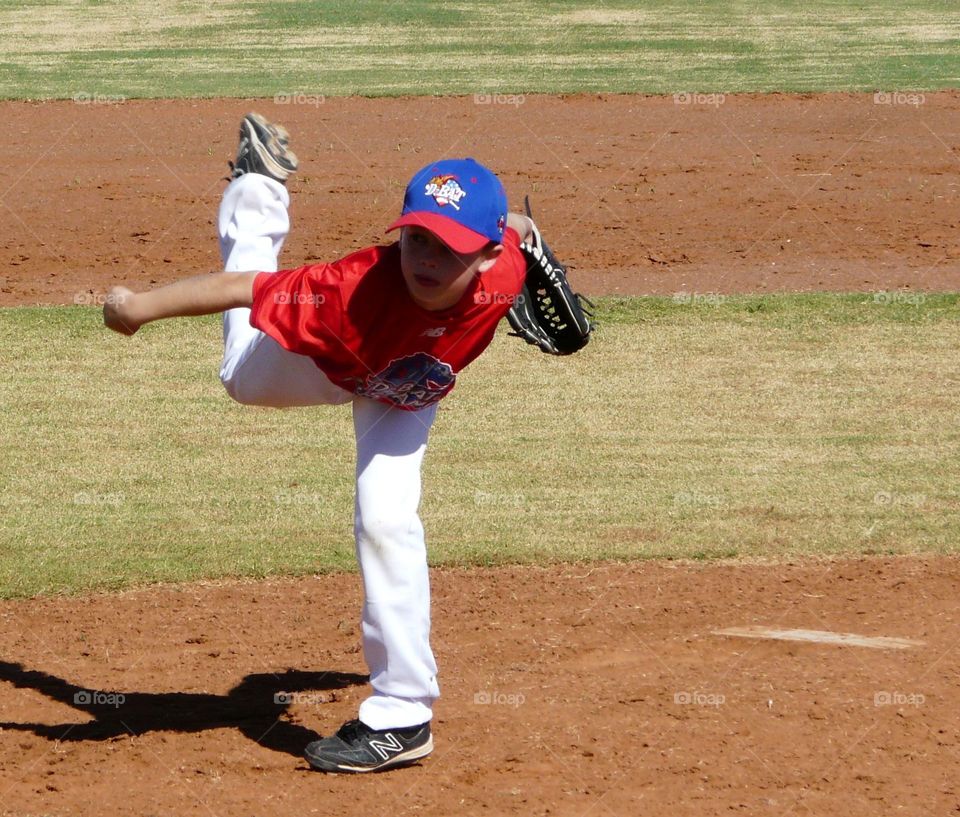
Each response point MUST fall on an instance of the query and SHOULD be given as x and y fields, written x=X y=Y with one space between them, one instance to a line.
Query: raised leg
x=252 y=225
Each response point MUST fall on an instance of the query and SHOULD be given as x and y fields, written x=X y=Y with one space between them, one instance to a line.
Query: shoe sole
x=262 y=135
x=410 y=756
x=278 y=132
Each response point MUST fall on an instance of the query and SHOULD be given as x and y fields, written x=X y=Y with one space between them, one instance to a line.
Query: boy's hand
x=117 y=313
x=523 y=225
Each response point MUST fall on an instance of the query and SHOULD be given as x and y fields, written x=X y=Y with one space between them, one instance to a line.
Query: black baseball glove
x=547 y=313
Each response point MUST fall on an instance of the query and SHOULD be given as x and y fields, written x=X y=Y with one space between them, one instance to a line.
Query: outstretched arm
x=126 y=311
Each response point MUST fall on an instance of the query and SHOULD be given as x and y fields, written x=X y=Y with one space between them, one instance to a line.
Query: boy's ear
x=490 y=255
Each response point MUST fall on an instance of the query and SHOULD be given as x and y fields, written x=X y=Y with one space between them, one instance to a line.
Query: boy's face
x=436 y=276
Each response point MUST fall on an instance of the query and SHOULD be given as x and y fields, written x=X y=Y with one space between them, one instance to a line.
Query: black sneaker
x=358 y=748
x=263 y=149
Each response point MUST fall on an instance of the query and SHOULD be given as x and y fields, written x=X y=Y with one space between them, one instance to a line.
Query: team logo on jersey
x=433 y=332
x=411 y=382
x=445 y=190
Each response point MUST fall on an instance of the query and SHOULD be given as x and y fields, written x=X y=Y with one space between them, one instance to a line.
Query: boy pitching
x=386 y=329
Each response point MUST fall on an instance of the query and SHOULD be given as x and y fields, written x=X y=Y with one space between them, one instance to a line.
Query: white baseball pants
x=256 y=370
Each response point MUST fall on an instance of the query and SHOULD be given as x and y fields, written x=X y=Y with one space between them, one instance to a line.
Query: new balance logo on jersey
x=390 y=744
x=435 y=332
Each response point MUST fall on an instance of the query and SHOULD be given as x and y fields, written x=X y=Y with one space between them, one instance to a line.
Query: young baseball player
x=387 y=329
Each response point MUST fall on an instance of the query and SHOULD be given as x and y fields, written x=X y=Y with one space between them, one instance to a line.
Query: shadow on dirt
x=254 y=707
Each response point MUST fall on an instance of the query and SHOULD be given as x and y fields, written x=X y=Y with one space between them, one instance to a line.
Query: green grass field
x=752 y=427
x=161 y=48
x=756 y=427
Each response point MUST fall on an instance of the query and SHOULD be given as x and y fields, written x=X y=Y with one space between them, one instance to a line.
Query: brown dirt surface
x=567 y=690
x=640 y=195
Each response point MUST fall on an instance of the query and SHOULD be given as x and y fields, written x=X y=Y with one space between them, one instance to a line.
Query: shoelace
x=351 y=730
x=242 y=148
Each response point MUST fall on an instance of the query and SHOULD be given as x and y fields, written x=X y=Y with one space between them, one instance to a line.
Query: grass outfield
x=765 y=427
x=95 y=51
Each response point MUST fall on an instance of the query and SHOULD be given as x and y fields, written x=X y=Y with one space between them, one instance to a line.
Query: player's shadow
x=254 y=707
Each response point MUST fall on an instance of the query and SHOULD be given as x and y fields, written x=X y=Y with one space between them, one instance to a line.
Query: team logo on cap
x=445 y=190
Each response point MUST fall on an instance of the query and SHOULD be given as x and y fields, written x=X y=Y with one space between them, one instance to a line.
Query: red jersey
x=356 y=319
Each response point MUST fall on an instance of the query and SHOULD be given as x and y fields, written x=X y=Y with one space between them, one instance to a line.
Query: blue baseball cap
x=458 y=200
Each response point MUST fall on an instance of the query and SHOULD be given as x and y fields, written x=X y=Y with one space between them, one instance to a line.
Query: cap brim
x=457 y=237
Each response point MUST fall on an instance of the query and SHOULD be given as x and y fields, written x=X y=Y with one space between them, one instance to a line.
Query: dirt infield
x=566 y=691
x=639 y=194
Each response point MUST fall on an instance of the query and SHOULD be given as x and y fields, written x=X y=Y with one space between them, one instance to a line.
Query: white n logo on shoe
x=384 y=748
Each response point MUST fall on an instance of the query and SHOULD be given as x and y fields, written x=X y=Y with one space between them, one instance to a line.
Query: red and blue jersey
x=356 y=319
